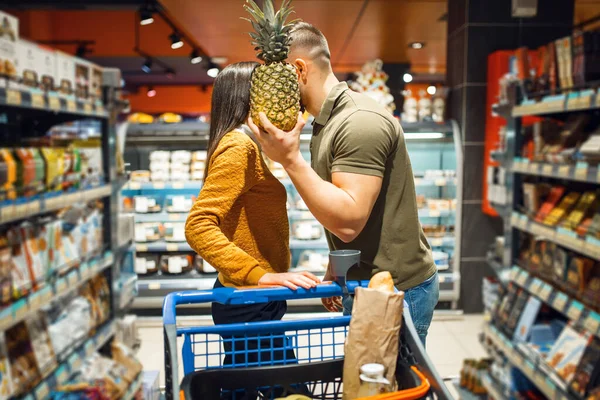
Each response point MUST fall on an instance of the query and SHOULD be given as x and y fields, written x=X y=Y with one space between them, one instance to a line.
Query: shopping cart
x=269 y=359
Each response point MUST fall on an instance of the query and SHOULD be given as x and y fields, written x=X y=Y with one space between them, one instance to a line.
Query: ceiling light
x=195 y=57
x=151 y=92
x=176 y=42
x=146 y=16
x=431 y=90
x=416 y=45
x=423 y=135
x=170 y=72
x=213 y=70
x=147 y=67
x=407 y=77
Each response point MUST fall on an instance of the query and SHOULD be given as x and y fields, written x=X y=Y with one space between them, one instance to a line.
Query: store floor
x=451 y=339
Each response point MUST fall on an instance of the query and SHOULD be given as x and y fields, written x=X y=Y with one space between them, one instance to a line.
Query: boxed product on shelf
x=176 y=263
x=556 y=193
x=505 y=307
x=577 y=274
x=23 y=366
x=587 y=374
x=146 y=204
x=567 y=352
x=527 y=319
x=148 y=231
x=515 y=313
x=146 y=263
x=92 y=167
x=123 y=355
x=96 y=82
x=141 y=176
x=203 y=266
x=97 y=292
x=170 y=118
x=46 y=59
x=82 y=78
x=41 y=343
x=174 y=231
x=549 y=250
x=564 y=207
x=181 y=157
x=6 y=284
x=28 y=63
x=561 y=262
x=587 y=205
x=9 y=39
x=65 y=73
x=6 y=385
x=179 y=203
x=313 y=260
x=591 y=292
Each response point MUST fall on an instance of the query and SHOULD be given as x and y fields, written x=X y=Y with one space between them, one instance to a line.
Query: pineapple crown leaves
x=271 y=37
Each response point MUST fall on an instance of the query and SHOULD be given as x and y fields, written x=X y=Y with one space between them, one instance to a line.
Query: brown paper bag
x=373 y=336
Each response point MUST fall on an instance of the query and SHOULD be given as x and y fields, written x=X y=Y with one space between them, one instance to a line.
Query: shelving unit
x=517 y=223
x=143 y=139
x=31 y=113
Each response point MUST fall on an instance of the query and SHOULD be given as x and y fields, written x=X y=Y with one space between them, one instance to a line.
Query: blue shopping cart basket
x=265 y=351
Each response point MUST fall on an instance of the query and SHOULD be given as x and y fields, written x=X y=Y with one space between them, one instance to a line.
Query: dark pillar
x=396 y=83
x=477 y=28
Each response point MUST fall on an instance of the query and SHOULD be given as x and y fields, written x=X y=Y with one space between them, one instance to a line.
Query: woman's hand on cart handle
x=291 y=280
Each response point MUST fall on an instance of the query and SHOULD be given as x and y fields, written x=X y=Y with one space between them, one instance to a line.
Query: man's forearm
x=332 y=206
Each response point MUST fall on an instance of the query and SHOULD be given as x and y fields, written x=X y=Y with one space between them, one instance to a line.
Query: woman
x=239 y=222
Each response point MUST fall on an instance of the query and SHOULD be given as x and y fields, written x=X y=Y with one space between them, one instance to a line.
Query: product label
x=535 y=286
x=564 y=171
x=575 y=310
x=560 y=301
x=592 y=322
x=547 y=169
x=545 y=291
x=13 y=97
x=581 y=170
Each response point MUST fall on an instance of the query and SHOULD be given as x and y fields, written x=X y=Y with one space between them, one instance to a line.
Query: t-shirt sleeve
x=363 y=144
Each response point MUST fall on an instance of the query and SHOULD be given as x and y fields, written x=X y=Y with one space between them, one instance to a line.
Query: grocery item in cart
x=372 y=381
x=382 y=281
x=176 y=263
x=373 y=336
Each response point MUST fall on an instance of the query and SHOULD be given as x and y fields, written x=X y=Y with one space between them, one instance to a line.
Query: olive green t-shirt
x=354 y=134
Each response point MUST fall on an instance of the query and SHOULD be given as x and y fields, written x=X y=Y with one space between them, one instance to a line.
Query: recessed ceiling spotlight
x=151 y=92
x=213 y=70
x=416 y=45
x=195 y=57
x=407 y=77
x=431 y=90
x=146 y=16
x=147 y=67
x=176 y=42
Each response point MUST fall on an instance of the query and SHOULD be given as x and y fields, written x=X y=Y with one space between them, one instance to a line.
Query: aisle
x=451 y=340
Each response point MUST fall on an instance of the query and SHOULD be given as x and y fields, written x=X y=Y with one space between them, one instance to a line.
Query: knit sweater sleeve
x=233 y=170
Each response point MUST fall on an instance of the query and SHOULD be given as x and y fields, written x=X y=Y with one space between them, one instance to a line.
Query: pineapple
x=274 y=88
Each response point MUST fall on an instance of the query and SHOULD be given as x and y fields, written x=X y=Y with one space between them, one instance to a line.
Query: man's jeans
x=421 y=300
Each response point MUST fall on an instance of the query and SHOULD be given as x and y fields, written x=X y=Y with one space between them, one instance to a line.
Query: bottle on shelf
x=372 y=381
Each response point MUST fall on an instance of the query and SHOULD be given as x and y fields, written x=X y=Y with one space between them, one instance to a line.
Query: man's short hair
x=306 y=37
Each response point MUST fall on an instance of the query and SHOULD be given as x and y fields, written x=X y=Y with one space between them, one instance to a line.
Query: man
x=361 y=185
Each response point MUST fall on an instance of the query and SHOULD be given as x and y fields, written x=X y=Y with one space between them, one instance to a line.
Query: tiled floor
x=451 y=339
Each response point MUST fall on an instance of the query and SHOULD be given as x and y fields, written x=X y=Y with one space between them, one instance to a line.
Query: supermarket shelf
x=588 y=246
x=60 y=375
x=583 y=100
x=492 y=388
x=496 y=264
x=195 y=128
x=135 y=386
x=51 y=103
x=319 y=244
x=542 y=379
x=435 y=181
x=162 y=246
x=581 y=172
x=161 y=217
x=191 y=185
x=446 y=241
x=23 y=308
x=428 y=213
x=29 y=207
x=557 y=299
x=464 y=394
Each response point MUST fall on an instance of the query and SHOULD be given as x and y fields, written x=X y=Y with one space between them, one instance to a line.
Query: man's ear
x=302 y=69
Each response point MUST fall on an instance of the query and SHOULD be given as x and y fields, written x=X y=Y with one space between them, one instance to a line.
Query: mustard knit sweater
x=239 y=222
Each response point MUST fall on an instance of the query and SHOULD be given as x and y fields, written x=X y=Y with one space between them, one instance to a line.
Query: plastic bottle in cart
x=372 y=381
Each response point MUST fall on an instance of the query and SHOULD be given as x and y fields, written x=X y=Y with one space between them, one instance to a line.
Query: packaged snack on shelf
x=553 y=198
x=96 y=82
x=8 y=175
x=97 y=368
x=561 y=263
x=536 y=254
x=53 y=168
x=313 y=260
x=6 y=284
x=34 y=247
x=178 y=176
x=160 y=176
x=101 y=292
x=515 y=313
x=92 y=167
x=565 y=206
x=179 y=203
x=125 y=357
x=21 y=277
x=307 y=230
x=181 y=157
x=46 y=60
x=26 y=172
x=587 y=205
x=527 y=319
x=591 y=293
x=202 y=266
x=176 y=263
x=65 y=73
x=577 y=274
x=170 y=118
x=23 y=366
x=140 y=118
x=160 y=156
x=6 y=385
x=438 y=204
x=587 y=375
x=148 y=231
x=40 y=342
x=199 y=155
x=567 y=352
x=69 y=323
x=506 y=305
x=141 y=176
x=174 y=231
x=82 y=78
x=548 y=255
x=146 y=204
x=197 y=175
x=159 y=165
x=146 y=263
x=27 y=65
x=9 y=39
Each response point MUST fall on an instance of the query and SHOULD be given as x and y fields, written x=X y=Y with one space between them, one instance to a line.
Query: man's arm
x=343 y=206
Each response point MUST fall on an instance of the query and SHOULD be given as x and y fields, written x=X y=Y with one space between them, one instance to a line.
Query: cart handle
x=251 y=296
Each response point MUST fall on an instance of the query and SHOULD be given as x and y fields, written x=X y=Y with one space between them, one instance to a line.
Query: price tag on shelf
x=13 y=97
x=61 y=375
x=560 y=301
x=141 y=247
x=540 y=380
x=522 y=278
x=545 y=291
x=528 y=367
x=172 y=247
x=514 y=218
x=61 y=285
x=35 y=301
x=575 y=310
x=89 y=348
x=178 y=185
x=523 y=221
x=154 y=286
x=434 y=213
x=42 y=391
x=581 y=170
x=592 y=322
x=535 y=285
x=158 y=185
x=518 y=164
x=514 y=272
x=564 y=171
x=7 y=212
x=6 y=318
x=74 y=362
x=37 y=100
x=436 y=242
x=533 y=167
x=592 y=246
x=440 y=182
x=176 y=217
x=547 y=169
x=84 y=271
x=45 y=294
x=53 y=102
x=73 y=278
x=34 y=207
x=87 y=108
x=71 y=106
x=134 y=186
x=21 y=210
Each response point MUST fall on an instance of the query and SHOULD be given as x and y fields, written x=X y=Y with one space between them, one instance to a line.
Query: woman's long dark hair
x=230 y=103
